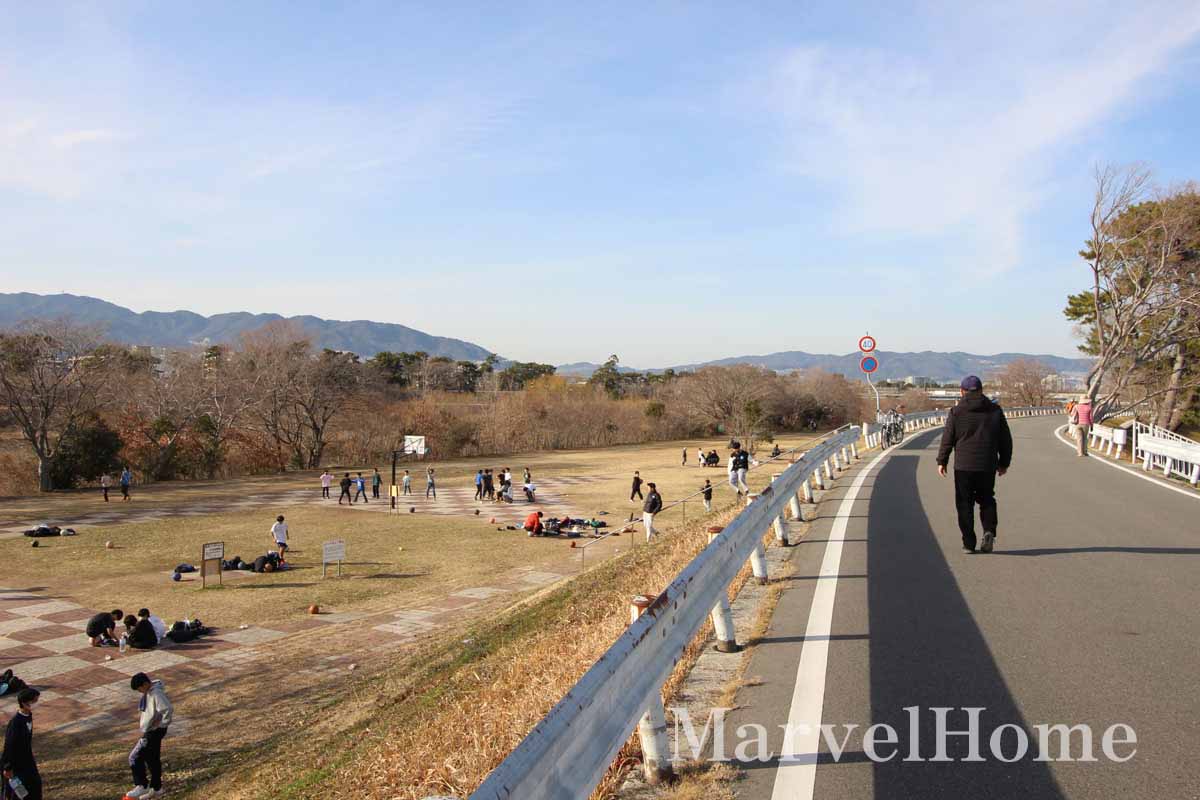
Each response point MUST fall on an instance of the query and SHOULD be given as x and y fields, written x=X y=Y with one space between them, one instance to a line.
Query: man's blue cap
x=972 y=383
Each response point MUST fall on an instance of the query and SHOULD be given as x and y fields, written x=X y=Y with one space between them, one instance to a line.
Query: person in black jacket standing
x=17 y=760
x=637 y=486
x=652 y=506
x=977 y=431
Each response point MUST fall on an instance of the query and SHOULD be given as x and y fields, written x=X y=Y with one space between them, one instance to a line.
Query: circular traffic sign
x=866 y=344
x=868 y=364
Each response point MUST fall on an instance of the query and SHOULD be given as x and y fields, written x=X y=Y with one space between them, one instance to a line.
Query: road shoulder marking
x=795 y=778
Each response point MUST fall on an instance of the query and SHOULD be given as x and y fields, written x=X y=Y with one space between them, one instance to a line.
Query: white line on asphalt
x=796 y=776
x=1185 y=492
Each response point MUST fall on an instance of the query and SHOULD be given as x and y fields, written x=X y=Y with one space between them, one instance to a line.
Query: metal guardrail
x=1159 y=448
x=567 y=754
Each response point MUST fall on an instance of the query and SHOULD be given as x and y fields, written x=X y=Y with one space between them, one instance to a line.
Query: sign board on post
x=333 y=552
x=211 y=556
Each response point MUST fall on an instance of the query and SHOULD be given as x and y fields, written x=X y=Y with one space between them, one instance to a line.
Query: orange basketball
x=314 y=609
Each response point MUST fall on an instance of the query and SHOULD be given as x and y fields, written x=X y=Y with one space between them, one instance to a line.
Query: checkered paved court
x=86 y=688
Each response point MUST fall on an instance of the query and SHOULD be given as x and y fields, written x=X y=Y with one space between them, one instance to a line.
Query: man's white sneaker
x=988 y=540
x=136 y=793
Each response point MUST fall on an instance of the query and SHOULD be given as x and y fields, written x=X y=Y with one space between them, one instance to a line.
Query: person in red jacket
x=533 y=523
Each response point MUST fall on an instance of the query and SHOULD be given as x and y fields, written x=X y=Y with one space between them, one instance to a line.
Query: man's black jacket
x=977 y=432
x=18 y=746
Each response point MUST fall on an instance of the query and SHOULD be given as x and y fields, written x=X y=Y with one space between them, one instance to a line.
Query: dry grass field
x=521 y=654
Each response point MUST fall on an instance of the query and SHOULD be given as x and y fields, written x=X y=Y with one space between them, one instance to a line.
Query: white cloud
x=949 y=138
x=71 y=139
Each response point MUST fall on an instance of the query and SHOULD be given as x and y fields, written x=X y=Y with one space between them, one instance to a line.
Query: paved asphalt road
x=1087 y=613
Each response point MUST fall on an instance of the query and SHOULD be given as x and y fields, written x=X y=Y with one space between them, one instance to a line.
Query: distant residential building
x=920 y=381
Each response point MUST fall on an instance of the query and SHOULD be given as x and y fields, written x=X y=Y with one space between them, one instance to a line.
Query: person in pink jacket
x=1081 y=421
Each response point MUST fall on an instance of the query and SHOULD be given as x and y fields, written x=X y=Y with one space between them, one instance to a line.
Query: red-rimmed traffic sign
x=866 y=344
x=868 y=364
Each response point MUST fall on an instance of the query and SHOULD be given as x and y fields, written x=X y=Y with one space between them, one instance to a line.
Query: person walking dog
x=977 y=433
x=1081 y=424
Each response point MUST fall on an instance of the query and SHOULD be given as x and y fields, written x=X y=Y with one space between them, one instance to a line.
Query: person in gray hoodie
x=156 y=715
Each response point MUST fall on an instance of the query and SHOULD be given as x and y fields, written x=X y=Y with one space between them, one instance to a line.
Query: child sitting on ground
x=140 y=633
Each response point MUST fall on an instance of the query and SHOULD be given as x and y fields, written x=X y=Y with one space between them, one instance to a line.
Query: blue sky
x=670 y=182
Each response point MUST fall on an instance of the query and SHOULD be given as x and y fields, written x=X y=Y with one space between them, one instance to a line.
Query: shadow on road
x=1059 y=551
x=926 y=650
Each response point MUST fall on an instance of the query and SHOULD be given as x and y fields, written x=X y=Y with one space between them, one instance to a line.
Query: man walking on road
x=652 y=506
x=977 y=431
x=1081 y=424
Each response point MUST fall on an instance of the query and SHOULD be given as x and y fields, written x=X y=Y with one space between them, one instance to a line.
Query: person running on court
x=126 y=482
x=17 y=761
x=105 y=485
x=345 y=486
x=376 y=482
x=279 y=533
x=977 y=433
x=156 y=713
x=430 y=484
x=360 y=488
x=407 y=481
x=326 y=482
x=637 y=486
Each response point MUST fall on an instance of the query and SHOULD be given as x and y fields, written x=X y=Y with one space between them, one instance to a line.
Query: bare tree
x=1139 y=311
x=51 y=377
x=1025 y=380
x=228 y=393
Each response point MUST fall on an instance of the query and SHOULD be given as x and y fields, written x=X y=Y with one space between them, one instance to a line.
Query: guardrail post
x=1195 y=475
x=722 y=615
x=806 y=489
x=837 y=463
x=758 y=558
x=794 y=507
x=854 y=450
x=828 y=471
x=819 y=475
x=652 y=728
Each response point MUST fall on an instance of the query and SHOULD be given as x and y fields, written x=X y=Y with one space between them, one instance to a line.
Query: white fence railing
x=1159 y=448
x=1112 y=440
x=565 y=756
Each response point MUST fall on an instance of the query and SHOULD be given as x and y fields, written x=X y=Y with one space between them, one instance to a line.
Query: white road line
x=1135 y=473
x=796 y=776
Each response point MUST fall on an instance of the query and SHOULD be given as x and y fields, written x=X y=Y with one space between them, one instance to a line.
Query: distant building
x=920 y=381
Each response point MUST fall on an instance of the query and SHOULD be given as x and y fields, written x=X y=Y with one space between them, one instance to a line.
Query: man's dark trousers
x=150 y=757
x=972 y=487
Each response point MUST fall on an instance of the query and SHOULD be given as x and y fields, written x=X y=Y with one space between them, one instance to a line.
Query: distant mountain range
x=927 y=364
x=183 y=328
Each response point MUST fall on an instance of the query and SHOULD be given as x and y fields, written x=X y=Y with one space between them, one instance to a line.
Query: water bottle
x=123 y=642
x=18 y=788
